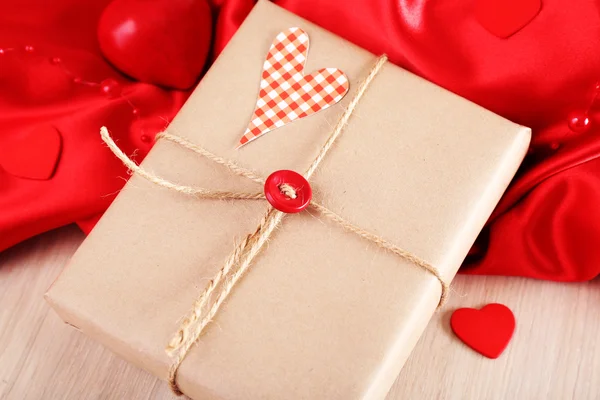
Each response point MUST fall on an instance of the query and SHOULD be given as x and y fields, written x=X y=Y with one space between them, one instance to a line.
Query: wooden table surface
x=554 y=354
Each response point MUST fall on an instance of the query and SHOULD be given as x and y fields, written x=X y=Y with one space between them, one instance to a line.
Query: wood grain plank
x=555 y=353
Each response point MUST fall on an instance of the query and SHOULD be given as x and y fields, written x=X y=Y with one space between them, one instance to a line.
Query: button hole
x=288 y=191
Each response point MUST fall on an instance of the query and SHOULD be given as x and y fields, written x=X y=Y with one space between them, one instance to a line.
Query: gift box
x=333 y=302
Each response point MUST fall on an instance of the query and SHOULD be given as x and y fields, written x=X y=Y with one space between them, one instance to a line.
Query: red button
x=288 y=191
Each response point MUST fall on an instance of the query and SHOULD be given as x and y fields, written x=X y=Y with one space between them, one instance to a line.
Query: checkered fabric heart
x=286 y=94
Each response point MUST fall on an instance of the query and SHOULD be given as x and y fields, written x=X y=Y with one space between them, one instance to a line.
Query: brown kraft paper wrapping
x=322 y=313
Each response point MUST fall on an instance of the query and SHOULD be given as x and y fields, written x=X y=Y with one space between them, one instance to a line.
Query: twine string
x=189 y=190
x=193 y=326
x=239 y=261
x=339 y=126
x=384 y=244
x=236 y=169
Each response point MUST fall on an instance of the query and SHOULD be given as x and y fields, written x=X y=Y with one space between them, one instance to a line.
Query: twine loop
x=287 y=190
x=240 y=259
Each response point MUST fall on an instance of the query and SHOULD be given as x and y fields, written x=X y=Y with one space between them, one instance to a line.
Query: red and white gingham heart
x=286 y=94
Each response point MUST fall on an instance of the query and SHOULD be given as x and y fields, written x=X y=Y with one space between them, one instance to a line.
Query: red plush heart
x=504 y=18
x=164 y=42
x=32 y=154
x=486 y=331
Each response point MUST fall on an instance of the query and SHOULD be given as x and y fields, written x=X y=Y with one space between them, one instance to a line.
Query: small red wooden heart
x=487 y=331
x=504 y=18
x=32 y=154
x=164 y=42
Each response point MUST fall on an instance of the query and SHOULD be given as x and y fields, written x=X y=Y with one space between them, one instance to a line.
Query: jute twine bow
x=244 y=253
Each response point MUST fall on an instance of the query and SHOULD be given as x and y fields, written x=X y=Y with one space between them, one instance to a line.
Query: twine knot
x=288 y=190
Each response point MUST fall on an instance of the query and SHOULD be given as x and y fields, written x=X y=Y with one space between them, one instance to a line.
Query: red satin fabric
x=548 y=223
x=33 y=92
